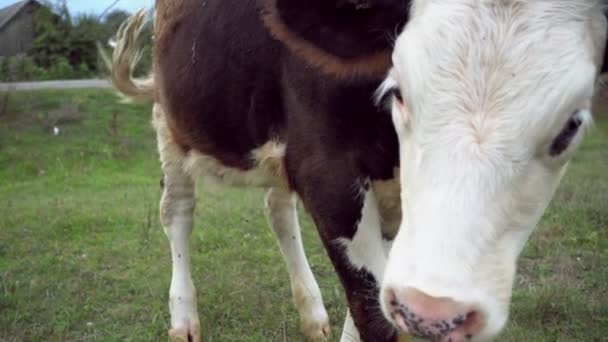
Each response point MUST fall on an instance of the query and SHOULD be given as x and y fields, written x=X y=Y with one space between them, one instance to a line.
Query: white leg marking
x=283 y=219
x=367 y=249
x=178 y=206
x=349 y=332
x=176 y=213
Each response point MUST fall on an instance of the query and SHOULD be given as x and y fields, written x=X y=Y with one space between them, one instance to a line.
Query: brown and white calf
x=489 y=100
x=279 y=95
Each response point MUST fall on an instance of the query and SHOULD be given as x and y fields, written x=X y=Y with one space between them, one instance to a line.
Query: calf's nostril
x=467 y=319
x=472 y=323
x=391 y=298
x=470 y=326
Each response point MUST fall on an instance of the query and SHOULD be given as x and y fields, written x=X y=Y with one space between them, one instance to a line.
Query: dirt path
x=71 y=84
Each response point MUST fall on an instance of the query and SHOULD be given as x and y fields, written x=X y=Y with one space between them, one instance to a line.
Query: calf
x=490 y=100
x=278 y=94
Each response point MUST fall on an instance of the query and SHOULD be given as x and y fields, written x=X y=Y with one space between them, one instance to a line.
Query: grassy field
x=83 y=257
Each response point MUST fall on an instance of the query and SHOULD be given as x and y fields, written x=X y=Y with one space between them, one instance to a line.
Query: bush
x=40 y=74
x=4 y=69
x=84 y=71
x=61 y=69
x=20 y=68
x=25 y=68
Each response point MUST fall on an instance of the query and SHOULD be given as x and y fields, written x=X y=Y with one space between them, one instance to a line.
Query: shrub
x=25 y=68
x=61 y=69
x=84 y=71
x=4 y=69
x=40 y=74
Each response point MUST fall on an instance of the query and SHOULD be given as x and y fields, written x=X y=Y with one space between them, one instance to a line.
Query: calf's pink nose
x=439 y=319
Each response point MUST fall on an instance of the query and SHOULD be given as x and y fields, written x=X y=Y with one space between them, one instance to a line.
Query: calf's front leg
x=282 y=217
x=346 y=214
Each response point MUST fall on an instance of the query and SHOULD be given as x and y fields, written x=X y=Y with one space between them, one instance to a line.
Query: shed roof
x=8 y=13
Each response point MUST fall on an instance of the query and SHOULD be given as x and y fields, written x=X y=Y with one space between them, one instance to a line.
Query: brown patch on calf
x=375 y=64
x=169 y=13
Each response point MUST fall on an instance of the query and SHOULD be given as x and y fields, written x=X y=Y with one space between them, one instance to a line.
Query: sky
x=96 y=6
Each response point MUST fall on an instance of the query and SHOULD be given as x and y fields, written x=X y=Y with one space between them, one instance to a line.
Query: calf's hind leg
x=176 y=212
x=282 y=217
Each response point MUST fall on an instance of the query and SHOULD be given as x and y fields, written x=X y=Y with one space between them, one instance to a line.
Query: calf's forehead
x=450 y=41
x=498 y=62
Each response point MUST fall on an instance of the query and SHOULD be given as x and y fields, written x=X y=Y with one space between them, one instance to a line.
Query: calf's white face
x=490 y=102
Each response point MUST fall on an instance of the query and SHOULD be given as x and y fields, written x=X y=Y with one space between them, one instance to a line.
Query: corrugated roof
x=8 y=13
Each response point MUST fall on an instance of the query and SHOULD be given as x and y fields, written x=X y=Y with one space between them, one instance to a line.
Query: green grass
x=83 y=257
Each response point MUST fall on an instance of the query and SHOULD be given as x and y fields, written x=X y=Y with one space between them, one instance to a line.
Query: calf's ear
x=341 y=37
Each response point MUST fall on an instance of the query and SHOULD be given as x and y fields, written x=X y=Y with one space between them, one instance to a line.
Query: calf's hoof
x=316 y=330
x=189 y=333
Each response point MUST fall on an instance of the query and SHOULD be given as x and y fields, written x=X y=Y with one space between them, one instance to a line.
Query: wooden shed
x=17 y=30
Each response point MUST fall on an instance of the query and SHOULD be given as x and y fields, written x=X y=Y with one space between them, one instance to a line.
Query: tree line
x=65 y=46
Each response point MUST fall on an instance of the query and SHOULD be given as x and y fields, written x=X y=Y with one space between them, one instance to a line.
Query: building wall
x=17 y=36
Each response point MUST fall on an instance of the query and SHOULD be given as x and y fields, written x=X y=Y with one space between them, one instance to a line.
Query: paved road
x=72 y=84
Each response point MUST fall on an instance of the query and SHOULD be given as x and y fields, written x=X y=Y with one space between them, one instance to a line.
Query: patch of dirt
x=563 y=269
x=66 y=115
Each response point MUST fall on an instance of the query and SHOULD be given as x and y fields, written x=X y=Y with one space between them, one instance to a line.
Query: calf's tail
x=126 y=55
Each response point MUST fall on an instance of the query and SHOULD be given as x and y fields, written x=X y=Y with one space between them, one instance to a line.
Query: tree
x=113 y=20
x=86 y=31
x=52 y=28
x=66 y=47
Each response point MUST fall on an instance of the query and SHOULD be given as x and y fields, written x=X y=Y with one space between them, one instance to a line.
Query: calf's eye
x=387 y=93
x=396 y=93
x=565 y=137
